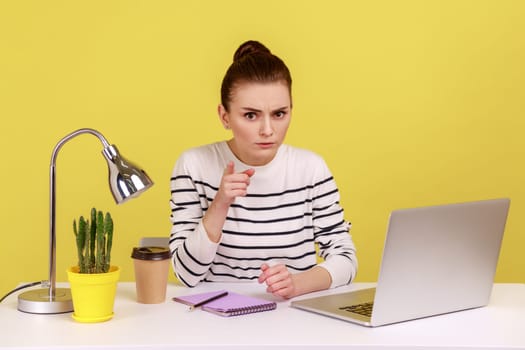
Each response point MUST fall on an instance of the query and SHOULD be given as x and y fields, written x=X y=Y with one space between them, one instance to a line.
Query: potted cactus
x=93 y=280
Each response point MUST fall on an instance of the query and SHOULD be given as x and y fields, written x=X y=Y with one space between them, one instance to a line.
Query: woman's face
x=259 y=115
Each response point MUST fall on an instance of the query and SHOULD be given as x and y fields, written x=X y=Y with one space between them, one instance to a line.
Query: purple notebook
x=198 y=299
x=231 y=304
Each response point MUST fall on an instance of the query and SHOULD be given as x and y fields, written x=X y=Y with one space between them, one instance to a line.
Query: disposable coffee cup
x=151 y=273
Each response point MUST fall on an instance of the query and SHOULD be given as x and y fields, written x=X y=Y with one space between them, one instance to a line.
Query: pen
x=220 y=295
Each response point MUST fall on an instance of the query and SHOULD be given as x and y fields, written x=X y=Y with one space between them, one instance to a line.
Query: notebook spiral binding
x=250 y=309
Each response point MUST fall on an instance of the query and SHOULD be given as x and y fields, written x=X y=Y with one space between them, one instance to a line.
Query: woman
x=252 y=207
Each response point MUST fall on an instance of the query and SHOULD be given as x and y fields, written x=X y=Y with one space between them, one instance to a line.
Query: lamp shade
x=126 y=180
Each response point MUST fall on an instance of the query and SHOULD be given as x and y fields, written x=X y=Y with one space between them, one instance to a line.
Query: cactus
x=94 y=241
x=100 y=242
x=81 y=240
x=92 y=237
x=108 y=227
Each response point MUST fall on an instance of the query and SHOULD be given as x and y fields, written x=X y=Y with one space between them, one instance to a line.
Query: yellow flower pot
x=93 y=294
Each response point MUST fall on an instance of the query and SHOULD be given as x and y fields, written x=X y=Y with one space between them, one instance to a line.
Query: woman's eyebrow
x=285 y=108
x=251 y=109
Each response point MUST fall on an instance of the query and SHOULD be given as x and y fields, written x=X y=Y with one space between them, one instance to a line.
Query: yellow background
x=411 y=103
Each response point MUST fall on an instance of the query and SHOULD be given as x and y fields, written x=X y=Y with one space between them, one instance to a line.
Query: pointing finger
x=249 y=172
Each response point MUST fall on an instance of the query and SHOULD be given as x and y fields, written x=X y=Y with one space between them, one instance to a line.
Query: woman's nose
x=266 y=127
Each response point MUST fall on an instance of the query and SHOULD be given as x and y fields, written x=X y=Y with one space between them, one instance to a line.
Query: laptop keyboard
x=364 y=309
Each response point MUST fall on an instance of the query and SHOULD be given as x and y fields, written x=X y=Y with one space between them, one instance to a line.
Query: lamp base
x=37 y=301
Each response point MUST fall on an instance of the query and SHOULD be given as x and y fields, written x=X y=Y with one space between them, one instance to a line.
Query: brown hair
x=253 y=62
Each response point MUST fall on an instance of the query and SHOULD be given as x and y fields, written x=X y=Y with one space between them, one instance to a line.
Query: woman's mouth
x=265 y=144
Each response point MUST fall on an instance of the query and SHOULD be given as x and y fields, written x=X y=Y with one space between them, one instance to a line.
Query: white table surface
x=500 y=325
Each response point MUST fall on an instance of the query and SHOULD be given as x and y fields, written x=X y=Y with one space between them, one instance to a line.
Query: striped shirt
x=292 y=207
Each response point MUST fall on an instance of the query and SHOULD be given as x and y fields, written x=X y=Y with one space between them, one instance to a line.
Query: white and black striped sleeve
x=331 y=232
x=192 y=251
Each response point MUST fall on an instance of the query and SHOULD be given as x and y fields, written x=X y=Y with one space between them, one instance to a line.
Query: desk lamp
x=126 y=181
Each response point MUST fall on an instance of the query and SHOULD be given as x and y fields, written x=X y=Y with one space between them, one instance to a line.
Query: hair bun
x=249 y=48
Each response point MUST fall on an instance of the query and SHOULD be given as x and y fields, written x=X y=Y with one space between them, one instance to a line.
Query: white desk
x=500 y=325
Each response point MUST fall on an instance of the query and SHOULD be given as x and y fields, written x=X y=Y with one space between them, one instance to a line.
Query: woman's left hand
x=278 y=279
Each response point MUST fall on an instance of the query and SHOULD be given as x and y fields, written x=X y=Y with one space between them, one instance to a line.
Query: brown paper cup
x=151 y=273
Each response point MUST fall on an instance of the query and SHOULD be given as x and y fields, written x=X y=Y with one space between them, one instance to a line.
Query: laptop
x=436 y=260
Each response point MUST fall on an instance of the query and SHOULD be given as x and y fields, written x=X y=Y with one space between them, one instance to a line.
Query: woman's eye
x=280 y=114
x=250 y=115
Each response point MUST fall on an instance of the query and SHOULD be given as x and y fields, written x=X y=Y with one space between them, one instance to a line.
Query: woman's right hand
x=233 y=184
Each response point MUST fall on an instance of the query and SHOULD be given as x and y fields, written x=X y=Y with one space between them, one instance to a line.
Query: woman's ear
x=223 y=116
